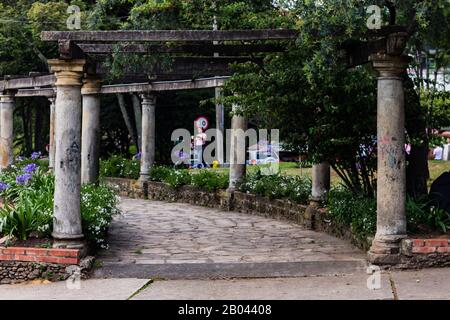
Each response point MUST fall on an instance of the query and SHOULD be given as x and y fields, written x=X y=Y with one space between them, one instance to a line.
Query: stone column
x=237 y=149
x=51 y=144
x=6 y=130
x=319 y=190
x=391 y=179
x=90 y=136
x=148 y=135
x=220 y=127
x=320 y=181
x=67 y=229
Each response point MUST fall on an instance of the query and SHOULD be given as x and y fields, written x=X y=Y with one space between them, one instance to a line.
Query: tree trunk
x=126 y=116
x=38 y=123
x=417 y=172
x=138 y=118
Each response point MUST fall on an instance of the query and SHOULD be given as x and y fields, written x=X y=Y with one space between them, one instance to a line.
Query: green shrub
x=356 y=211
x=420 y=212
x=27 y=192
x=177 y=178
x=294 y=188
x=210 y=181
x=98 y=206
x=159 y=173
x=119 y=167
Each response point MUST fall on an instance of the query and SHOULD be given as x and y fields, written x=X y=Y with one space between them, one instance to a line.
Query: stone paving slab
x=152 y=235
x=422 y=284
x=349 y=287
x=93 y=289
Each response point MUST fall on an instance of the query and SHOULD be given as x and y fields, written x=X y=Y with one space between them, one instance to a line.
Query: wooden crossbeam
x=158 y=86
x=42 y=92
x=27 y=82
x=224 y=50
x=165 y=86
x=169 y=35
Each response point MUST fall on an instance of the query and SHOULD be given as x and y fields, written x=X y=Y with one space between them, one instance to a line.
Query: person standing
x=438 y=152
x=199 y=142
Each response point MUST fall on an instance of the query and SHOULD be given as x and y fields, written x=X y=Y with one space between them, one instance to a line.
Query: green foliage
x=120 y=167
x=356 y=211
x=178 y=178
x=159 y=173
x=98 y=206
x=294 y=188
x=209 y=180
x=421 y=212
x=28 y=204
x=359 y=213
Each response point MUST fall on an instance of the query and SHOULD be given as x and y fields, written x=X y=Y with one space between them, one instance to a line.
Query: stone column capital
x=148 y=99
x=67 y=72
x=388 y=65
x=91 y=85
x=7 y=98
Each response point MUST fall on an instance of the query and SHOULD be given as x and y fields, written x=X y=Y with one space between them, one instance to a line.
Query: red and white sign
x=202 y=122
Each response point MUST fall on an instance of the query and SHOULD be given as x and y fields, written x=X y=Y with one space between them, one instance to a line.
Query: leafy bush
x=98 y=206
x=159 y=173
x=209 y=180
x=120 y=167
x=356 y=211
x=421 y=212
x=177 y=178
x=27 y=191
x=360 y=213
x=278 y=186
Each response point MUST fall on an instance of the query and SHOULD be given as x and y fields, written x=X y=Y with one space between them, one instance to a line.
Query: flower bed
x=26 y=189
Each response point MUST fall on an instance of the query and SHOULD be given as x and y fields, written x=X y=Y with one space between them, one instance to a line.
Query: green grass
x=291 y=168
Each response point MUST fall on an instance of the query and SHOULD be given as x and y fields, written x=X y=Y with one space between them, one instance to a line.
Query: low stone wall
x=19 y=264
x=17 y=272
x=237 y=201
x=425 y=253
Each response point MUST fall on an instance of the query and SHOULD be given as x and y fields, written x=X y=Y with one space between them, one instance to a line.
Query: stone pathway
x=174 y=240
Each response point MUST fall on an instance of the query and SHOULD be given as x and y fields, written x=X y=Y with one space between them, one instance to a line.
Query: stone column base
x=79 y=244
x=385 y=250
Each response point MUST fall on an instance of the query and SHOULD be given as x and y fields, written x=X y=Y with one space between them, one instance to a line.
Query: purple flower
x=30 y=168
x=23 y=179
x=138 y=156
x=20 y=158
x=3 y=186
x=35 y=155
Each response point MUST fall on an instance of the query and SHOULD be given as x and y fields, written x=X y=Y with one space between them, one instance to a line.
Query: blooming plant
x=27 y=191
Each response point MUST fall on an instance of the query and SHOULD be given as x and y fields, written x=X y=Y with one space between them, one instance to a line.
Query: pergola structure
x=76 y=83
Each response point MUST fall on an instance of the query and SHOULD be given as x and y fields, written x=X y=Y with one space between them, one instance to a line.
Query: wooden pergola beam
x=27 y=82
x=169 y=35
x=41 y=92
x=224 y=50
x=157 y=86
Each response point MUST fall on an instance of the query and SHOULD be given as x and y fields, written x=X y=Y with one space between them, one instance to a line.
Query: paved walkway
x=424 y=284
x=183 y=241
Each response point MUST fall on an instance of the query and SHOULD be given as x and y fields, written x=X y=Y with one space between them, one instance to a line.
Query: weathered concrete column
x=237 y=149
x=391 y=179
x=320 y=181
x=220 y=127
x=51 y=144
x=6 y=130
x=90 y=135
x=320 y=187
x=148 y=135
x=67 y=229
